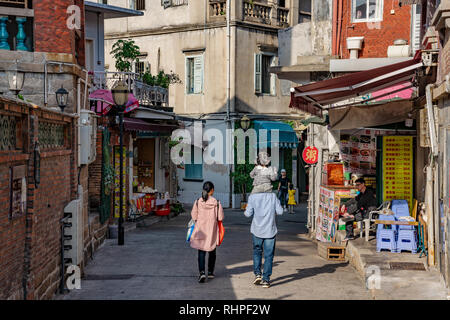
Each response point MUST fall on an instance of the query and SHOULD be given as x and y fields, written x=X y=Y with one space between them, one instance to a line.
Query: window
x=367 y=10
x=141 y=67
x=89 y=46
x=264 y=80
x=137 y=5
x=193 y=171
x=194 y=74
x=304 y=11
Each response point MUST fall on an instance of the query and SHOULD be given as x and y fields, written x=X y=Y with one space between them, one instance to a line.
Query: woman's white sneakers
x=257 y=280
x=202 y=278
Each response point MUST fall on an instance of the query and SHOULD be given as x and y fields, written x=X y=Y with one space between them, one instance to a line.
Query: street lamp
x=61 y=98
x=245 y=123
x=15 y=80
x=120 y=95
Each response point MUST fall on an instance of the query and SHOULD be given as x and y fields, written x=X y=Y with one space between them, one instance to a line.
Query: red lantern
x=310 y=155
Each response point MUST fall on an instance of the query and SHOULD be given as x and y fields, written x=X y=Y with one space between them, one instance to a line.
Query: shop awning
x=287 y=138
x=314 y=97
x=132 y=124
x=362 y=116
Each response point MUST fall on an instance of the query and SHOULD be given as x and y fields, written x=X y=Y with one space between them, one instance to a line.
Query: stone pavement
x=157 y=263
x=403 y=276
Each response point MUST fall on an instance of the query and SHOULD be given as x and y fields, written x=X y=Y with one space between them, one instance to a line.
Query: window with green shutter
x=194 y=74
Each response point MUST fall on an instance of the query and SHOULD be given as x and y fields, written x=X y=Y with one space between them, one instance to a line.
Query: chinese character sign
x=310 y=155
x=397 y=168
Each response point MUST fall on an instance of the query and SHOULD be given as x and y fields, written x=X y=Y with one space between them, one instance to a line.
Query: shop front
x=371 y=134
x=152 y=178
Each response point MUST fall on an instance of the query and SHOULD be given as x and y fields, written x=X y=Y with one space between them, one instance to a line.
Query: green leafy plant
x=162 y=79
x=242 y=180
x=125 y=52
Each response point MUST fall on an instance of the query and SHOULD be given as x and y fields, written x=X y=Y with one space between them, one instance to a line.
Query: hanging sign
x=310 y=155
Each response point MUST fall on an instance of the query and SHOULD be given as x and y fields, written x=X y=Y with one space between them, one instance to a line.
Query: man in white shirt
x=263 y=207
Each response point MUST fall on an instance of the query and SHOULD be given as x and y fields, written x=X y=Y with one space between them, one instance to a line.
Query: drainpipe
x=228 y=120
x=432 y=178
x=333 y=43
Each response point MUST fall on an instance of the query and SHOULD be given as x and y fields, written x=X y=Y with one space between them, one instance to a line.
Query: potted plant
x=242 y=181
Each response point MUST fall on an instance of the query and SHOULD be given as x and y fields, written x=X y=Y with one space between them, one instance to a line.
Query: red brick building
x=35 y=190
x=33 y=195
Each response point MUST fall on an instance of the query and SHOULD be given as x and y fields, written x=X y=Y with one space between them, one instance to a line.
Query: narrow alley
x=157 y=263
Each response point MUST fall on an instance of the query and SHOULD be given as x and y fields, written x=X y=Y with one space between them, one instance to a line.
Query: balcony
x=16 y=25
x=150 y=96
x=217 y=9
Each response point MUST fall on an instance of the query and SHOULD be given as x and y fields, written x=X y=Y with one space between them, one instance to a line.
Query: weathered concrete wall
x=156 y=17
x=218 y=174
x=247 y=41
x=32 y=63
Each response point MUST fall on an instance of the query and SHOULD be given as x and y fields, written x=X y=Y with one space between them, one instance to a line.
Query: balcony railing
x=21 y=40
x=258 y=12
x=283 y=17
x=145 y=94
x=218 y=8
x=269 y=14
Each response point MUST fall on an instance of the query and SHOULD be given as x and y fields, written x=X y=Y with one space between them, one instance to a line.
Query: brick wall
x=30 y=251
x=51 y=33
x=377 y=36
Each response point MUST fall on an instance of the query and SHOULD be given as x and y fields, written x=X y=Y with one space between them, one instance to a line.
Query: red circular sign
x=310 y=155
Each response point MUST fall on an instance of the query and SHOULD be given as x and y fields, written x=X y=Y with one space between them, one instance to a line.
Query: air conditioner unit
x=74 y=229
x=88 y=136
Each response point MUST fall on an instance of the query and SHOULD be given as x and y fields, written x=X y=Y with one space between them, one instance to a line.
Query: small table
x=400 y=223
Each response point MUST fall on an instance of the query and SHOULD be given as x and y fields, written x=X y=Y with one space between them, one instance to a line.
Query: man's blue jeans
x=268 y=245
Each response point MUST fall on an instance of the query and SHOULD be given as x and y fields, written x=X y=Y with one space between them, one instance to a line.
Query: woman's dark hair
x=207 y=187
x=291 y=186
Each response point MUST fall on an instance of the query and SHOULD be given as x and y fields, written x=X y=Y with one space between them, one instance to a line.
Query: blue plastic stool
x=401 y=209
x=386 y=234
x=407 y=240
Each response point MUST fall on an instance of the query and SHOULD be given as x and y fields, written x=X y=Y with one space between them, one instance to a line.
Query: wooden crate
x=331 y=251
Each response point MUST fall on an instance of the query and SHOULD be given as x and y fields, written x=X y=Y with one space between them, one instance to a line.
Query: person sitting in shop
x=358 y=208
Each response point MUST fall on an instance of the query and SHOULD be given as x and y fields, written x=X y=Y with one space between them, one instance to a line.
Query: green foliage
x=177 y=208
x=241 y=175
x=125 y=52
x=162 y=79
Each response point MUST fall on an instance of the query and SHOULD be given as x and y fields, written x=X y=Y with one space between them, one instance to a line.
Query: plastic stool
x=407 y=240
x=386 y=238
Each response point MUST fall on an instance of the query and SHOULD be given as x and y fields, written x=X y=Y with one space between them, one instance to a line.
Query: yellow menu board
x=398 y=168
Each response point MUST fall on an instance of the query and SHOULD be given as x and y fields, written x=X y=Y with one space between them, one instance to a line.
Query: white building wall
x=218 y=174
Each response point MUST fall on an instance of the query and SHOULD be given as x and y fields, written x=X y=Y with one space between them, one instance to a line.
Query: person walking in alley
x=283 y=187
x=263 y=207
x=206 y=213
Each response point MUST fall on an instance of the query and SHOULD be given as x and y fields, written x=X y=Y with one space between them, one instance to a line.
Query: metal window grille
x=8 y=132
x=51 y=135
x=140 y=4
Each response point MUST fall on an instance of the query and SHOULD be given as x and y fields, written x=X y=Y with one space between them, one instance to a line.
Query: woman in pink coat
x=205 y=237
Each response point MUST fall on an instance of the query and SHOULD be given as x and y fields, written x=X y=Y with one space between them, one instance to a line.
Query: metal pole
x=121 y=230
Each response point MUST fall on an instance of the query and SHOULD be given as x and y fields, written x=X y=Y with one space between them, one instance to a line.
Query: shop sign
x=310 y=155
x=398 y=168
